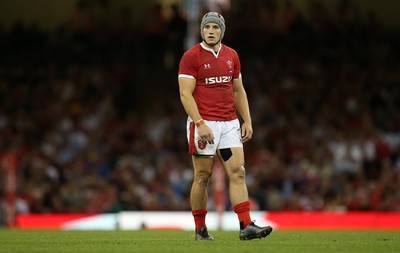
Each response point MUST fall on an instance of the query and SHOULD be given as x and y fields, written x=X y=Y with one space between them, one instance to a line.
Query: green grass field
x=56 y=241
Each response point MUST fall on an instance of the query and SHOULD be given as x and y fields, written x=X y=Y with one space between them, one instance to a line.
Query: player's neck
x=215 y=47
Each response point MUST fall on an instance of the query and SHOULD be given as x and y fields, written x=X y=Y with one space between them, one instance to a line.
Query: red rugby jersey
x=214 y=74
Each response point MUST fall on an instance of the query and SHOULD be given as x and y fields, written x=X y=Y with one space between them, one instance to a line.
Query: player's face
x=212 y=34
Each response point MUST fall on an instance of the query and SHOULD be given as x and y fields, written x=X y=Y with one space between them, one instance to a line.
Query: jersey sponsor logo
x=218 y=79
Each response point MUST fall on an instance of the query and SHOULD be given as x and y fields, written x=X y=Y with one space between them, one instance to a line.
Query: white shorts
x=227 y=134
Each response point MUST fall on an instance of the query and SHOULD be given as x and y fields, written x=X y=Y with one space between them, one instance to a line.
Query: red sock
x=243 y=212
x=199 y=219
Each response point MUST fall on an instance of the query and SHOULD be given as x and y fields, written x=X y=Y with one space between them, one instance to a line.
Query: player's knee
x=202 y=178
x=239 y=173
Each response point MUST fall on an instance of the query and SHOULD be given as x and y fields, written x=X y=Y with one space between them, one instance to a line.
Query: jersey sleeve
x=237 y=66
x=187 y=66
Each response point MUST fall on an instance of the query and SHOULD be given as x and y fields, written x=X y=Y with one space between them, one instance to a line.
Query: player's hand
x=247 y=131
x=205 y=133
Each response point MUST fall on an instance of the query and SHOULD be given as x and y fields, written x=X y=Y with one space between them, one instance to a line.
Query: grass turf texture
x=31 y=241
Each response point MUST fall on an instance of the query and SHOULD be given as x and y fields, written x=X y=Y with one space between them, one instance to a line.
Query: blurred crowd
x=93 y=113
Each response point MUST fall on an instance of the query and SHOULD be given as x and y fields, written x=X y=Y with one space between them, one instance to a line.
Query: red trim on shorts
x=192 y=145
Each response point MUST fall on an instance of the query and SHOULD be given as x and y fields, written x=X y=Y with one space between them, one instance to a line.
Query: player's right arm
x=186 y=89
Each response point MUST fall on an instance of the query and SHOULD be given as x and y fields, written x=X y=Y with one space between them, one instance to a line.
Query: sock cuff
x=200 y=212
x=242 y=207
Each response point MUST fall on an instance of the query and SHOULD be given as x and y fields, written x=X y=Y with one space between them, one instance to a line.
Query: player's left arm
x=242 y=106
